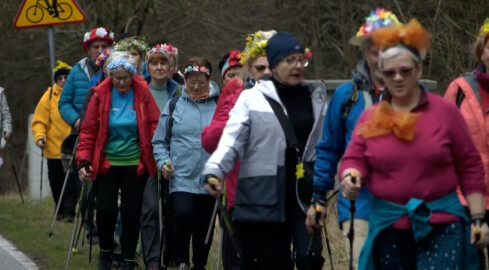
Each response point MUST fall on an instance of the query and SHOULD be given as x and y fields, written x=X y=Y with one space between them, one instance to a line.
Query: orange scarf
x=385 y=121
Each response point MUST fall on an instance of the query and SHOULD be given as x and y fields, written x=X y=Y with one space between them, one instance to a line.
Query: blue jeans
x=441 y=249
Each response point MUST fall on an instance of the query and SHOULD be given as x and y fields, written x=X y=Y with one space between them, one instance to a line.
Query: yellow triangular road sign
x=35 y=13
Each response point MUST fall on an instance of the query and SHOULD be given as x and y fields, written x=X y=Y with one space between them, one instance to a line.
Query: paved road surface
x=13 y=259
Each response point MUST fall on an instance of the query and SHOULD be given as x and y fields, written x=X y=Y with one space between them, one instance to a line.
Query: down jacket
x=95 y=127
x=253 y=133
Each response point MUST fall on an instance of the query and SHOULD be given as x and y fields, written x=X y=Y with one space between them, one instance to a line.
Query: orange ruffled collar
x=385 y=121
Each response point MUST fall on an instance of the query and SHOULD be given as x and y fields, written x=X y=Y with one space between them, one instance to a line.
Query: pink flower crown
x=200 y=69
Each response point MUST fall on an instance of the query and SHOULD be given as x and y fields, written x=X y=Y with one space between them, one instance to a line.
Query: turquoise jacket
x=383 y=214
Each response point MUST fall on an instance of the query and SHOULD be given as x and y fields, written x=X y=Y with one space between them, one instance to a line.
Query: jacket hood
x=361 y=76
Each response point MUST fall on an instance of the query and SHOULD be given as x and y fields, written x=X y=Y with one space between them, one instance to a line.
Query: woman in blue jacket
x=180 y=158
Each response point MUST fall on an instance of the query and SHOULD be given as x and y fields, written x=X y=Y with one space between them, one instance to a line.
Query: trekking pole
x=9 y=151
x=40 y=185
x=160 y=216
x=77 y=218
x=319 y=206
x=67 y=174
x=212 y=223
x=352 y=219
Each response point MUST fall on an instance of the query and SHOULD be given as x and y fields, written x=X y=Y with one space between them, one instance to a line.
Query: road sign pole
x=52 y=57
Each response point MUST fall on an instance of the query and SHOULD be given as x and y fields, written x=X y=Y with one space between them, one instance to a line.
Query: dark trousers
x=56 y=177
x=441 y=249
x=121 y=178
x=150 y=223
x=230 y=259
x=192 y=214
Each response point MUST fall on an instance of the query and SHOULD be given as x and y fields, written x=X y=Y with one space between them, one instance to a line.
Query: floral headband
x=122 y=62
x=255 y=46
x=169 y=49
x=484 y=31
x=201 y=69
x=139 y=45
x=378 y=18
x=413 y=35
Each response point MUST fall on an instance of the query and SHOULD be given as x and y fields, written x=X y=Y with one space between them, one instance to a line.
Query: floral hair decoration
x=378 y=18
x=122 y=62
x=413 y=35
x=102 y=57
x=200 y=69
x=139 y=45
x=255 y=45
x=484 y=31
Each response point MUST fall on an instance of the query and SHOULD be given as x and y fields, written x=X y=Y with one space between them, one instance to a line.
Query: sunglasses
x=404 y=72
x=260 y=68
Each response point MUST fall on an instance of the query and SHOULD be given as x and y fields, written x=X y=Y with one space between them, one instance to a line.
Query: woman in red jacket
x=255 y=63
x=115 y=150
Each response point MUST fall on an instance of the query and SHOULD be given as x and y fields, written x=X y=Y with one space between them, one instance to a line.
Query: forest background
x=209 y=28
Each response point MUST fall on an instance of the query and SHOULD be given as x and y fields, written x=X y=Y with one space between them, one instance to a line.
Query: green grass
x=27 y=227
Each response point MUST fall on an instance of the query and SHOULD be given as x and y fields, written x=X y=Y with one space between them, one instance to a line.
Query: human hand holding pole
x=167 y=170
x=85 y=173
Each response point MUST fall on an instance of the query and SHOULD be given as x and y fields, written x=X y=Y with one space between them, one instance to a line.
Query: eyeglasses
x=260 y=68
x=292 y=61
x=196 y=83
x=404 y=72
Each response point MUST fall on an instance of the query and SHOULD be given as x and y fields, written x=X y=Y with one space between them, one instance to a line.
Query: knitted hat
x=280 y=46
x=61 y=69
x=378 y=18
x=100 y=33
x=231 y=61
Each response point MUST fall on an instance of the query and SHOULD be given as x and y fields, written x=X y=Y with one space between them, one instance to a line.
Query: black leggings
x=192 y=214
x=56 y=177
x=121 y=178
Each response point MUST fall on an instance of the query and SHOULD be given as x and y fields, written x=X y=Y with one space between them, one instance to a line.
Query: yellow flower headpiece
x=255 y=45
x=61 y=65
x=484 y=31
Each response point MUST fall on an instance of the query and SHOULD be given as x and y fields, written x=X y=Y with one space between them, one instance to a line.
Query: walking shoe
x=183 y=266
x=127 y=265
x=68 y=217
x=105 y=260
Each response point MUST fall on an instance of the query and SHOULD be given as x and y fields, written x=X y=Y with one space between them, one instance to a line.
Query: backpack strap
x=171 y=107
x=460 y=97
x=346 y=108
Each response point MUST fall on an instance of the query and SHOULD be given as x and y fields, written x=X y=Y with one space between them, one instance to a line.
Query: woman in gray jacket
x=179 y=155
x=267 y=214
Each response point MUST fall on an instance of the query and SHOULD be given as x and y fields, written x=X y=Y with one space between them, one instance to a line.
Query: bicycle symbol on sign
x=62 y=11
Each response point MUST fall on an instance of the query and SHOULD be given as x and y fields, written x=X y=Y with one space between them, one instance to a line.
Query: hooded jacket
x=254 y=134
x=95 y=127
x=48 y=124
x=183 y=147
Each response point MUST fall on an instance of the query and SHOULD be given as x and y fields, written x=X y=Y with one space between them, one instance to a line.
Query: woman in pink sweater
x=412 y=151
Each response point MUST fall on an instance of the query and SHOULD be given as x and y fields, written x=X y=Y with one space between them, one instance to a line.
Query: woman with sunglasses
x=115 y=150
x=412 y=151
x=180 y=157
x=254 y=66
x=266 y=212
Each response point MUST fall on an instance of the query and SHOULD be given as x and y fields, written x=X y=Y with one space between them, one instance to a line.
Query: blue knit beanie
x=280 y=46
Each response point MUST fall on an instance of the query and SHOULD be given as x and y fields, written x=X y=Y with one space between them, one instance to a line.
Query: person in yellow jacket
x=49 y=131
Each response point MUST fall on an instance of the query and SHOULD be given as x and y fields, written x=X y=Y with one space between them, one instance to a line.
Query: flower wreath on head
x=124 y=63
x=413 y=35
x=200 y=69
x=139 y=45
x=169 y=49
x=254 y=48
x=484 y=31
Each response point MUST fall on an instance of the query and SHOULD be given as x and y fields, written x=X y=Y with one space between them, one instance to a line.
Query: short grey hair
x=118 y=56
x=397 y=50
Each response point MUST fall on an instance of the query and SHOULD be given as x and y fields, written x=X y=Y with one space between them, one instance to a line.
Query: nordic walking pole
x=328 y=246
x=9 y=151
x=77 y=218
x=351 y=233
x=67 y=174
x=212 y=223
x=40 y=186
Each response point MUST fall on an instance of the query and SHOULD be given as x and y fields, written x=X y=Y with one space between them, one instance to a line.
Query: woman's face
x=485 y=55
x=259 y=68
x=401 y=74
x=231 y=74
x=121 y=79
x=290 y=70
x=135 y=54
x=197 y=83
x=371 y=55
x=60 y=80
x=158 y=67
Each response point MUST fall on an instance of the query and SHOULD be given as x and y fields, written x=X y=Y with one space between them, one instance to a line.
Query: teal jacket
x=383 y=214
